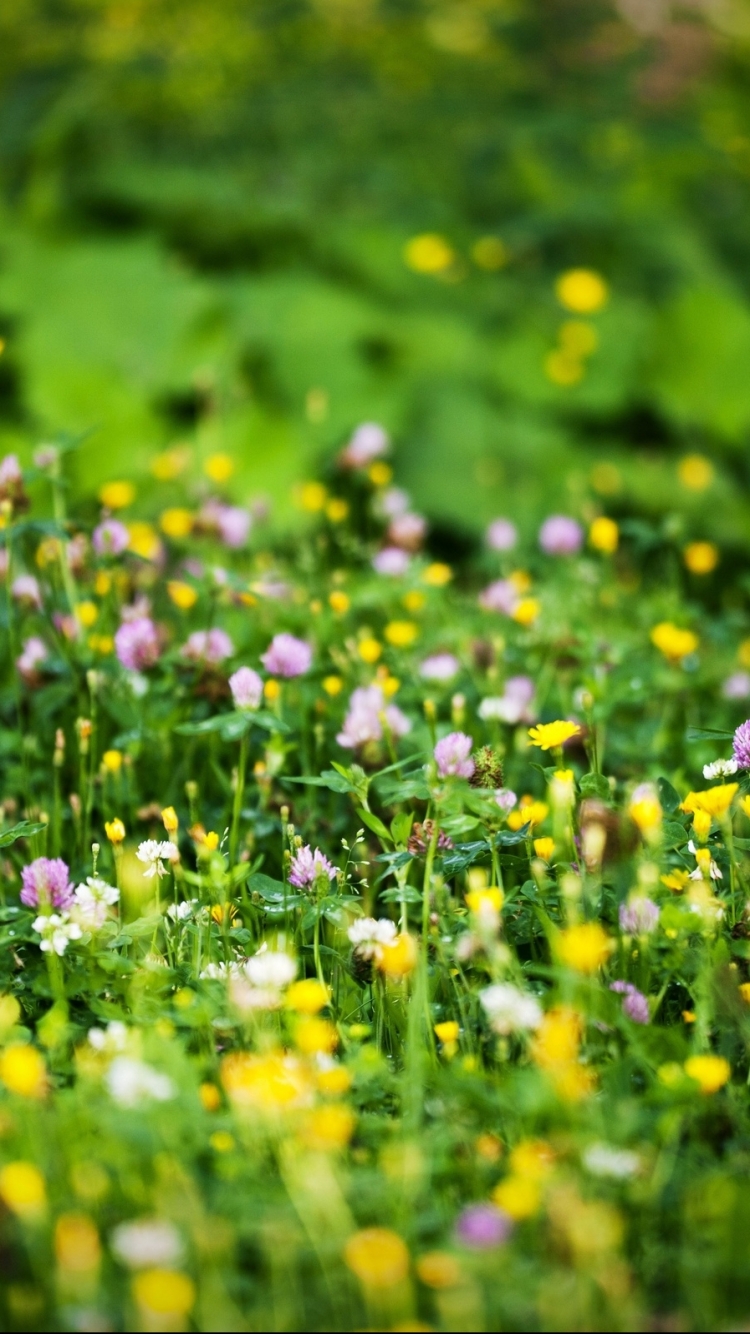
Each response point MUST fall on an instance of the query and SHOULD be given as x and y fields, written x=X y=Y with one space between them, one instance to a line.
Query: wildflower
x=92 y=901
x=271 y=690
x=639 y=916
x=701 y=557
x=180 y=912
x=369 y=936
x=560 y=535
x=501 y=595
x=308 y=867
x=529 y=812
x=482 y=1227
x=518 y=1197
x=11 y=482
x=584 y=947
x=46 y=883
x=510 y=1010
x=86 y=613
x=421 y=837
x=313 y=1035
x=673 y=642
x=645 y=810
x=145 y=1242
x=208 y=646
x=34 y=653
x=367 y=713
x=439 y=667
x=741 y=745
x=675 y=880
x=287 y=656
x=115 y=830
x=23 y=1190
x=25 y=589
x=526 y=611
x=57 y=931
x=153 y=854
x=439 y=1270
x=634 y=1004
x=369 y=441
x=501 y=535
x=400 y=634
x=696 y=472
x=548 y=736
x=131 y=1082
x=137 y=644
x=164 y=1297
x=604 y=535
x=513 y=705
x=329 y=1127
x=111 y=1040
x=378 y=1257
x=183 y=595
x=604 y=1160
x=337 y=510
x=533 y=1158
x=267 y=1082
x=544 y=848
x=582 y=290
x=398 y=957
x=437 y=575
x=720 y=769
x=736 y=686
x=117 y=495
x=407 y=531
x=176 y=523
x=246 y=687
x=22 y=1070
x=392 y=561
x=709 y=1071
x=506 y=799
x=715 y=801
x=110 y=538
x=307 y=996
x=453 y=756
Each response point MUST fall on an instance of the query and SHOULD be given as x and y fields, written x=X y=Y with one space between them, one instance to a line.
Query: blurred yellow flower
x=675 y=880
x=169 y=819
x=584 y=947
x=437 y=574
x=526 y=611
x=714 y=801
x=489 y=253
x=388 y=684
x=482 y=901
x=22 y=1070
x=22 y=1189
x=116 y=495
x=369 y=649
x=182 y=595
x=77 y=1246
x=272 y=690
x=48 y=551
x=745 y=806
x=169 y=464
x=312 y=496
x=307 y=996
x=528 y=812
x=112 y=761
x=711 y=1072
x=533 y=1158
x=646 y=813
x=337 y=510
x=557 y=1039
x=400 y=634
x=378 y=1257
x=439 y=1269
x=115 y=830
x=581 y=290
x=219 y=467
x=333 y=685
x=744 y=990
x=400 y=957
x=696 y=472
x=521 y=581
x=604 y=535
x=428 y=253
x=701 y=825
x=518 y=1196
x=269 y=1082
x=547 y=736
x=379 y=473
x=701 y=557
x=563 y=369
x=86 y=613
x=210 y=1097
x=329 y=1127
x=673 y=642
x=313 y=1035
x=102 y=583
x=447 y=1031
x=414 y=600
x=339 y=602
x=222 y=1142
x=544 y=848
x=606 y=478
x=144 y=540
x=165 y=1294
x=176 y=523
x=334 y=1081
x=101 y=643
x=578 y=338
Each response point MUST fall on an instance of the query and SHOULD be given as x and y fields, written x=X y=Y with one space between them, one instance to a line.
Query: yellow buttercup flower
x=701 y=557
x=400 y=957
x=102 y=583
x=701 y=825
x=439 y=1269
x=48 y=551
x=169 y=464
x=550 y=735
x=388 y=684
x=176 y=523
x=584 y=947
x=521 y=581
x=169 y=819
x=532 y=1158
x=272 y=690
x=563 y=368
x=483 y=901
x=165 y=1294
x=673 y=642
x=447 y=1032
x=711 y=1072
x=337 y=510
x=675 y=880
x=528 y=812
x=339 y=602
x=557 y=1039
x=312 y=497
x=101 y=644
x=437 y=574
x=696 y=472
x=333 y=685
x=22 y=1189
x=222 y=1142
x=526 y=611
x=414 y=600
x=182 y=595
x=428 y=253
x=582 y=290
x=77 y=1246
x=313 y=1035
x=116 y=495
x=270 y=1082
x=379 y=473
x=369 y=649
x=714 y=801
x=22 y=1070
x=518 y=1196
x=378 y=1257
x=307 y=996
x=115 y=830
x=400 y=634
x=210 y=1097
x=544 y=848
x=334 y=1081
x=86 y=613
x=219 y=467
x=329 y=1127
x=744 y=990
x=112 y=761
x=604 y=535
x=578 y=338
x=646 y=813
x=489 y=253
x=144 y=540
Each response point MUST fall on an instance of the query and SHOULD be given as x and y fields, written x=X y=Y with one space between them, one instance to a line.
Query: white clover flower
x=221 y=972
x=154 y=854
x=131 y=1082
x=113 y=1039
x=271 y=968
x=246 y=998
x=510 y=1010
x=605 y=1160
x=91 y=901
x=146 y=1243
x=178 y=912
x=369 y=935
x=720 y=768
x=57 y=931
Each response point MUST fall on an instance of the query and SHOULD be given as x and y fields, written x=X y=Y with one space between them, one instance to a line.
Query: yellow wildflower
x=528 y=812
x=518 y=1196
x=400 y=957
x=307 y=996
x=77 y=1246
x=48 y=551
x=369 y=649
x=646 y=813
x=711 y=1072
x=312 y=496
x=745 y=806
x=181 y=594
x=521 y=581
x=144 y=540
x=714 y=801
x=22 y=1189
x=221 y=1141
x=339 y=602
x=169 y=464
x=557 y=1038
x=437 y=574
x=532 y=1158
x=744 y=990
x=581 y=290
x=526 y=611
x=414 y=601
x=389 y=685
x=165 y=1297
x=116 y=495
x=484 y=901
x=743 y=653
x=701 y=557
x=102 y=583
x=544 y=848
x=333 y=685
x=701 y=825
x=334 y=1081
x=337 y=510
x=22 y=1070
x=584 y=947
x=447 y=1032
x=675 y=880
x=210 y=1097
x=673 y=642
x=577 y=338
x=547 y=736
x=313 y=1035
x=112 y=761
x=400 y=634
x=169 y=819
x=377 y=1256
x=428 y=253
x=272 y=690
x=604 y=535
x=86 y=613
x=176 y=523
x=379 y=473
x=489 y=253
x=696 y=472
x=115 y=830
x=269 y=1082
x=219 y=467
x=439 y=1269
x=329 y=1127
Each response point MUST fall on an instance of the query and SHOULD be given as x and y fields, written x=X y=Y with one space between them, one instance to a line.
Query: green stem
x=239 y=793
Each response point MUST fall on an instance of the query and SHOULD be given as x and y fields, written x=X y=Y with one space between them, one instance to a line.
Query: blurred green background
x=206 y=205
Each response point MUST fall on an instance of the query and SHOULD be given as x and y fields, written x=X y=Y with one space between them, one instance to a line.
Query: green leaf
x=374 y=824
x=329 y=778
x=708 y=734
x=272 y=890
x=401 y=827
x=669 y=798
x=24 y=829
x=208 y=725
x=595 y=785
